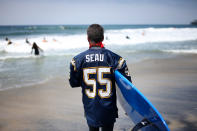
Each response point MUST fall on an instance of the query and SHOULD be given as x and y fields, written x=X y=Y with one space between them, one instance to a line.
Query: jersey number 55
x=99 y=71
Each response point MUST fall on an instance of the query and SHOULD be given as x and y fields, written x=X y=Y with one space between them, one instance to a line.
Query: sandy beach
x=170 y=84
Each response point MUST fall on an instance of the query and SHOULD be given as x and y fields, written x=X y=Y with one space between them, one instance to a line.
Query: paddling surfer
x=93 y=70
x=9 y=41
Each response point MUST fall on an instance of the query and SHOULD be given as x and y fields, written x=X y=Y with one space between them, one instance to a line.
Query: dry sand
x=170 y=84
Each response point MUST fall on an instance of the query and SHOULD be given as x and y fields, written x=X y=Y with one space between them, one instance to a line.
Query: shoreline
x=170 y=84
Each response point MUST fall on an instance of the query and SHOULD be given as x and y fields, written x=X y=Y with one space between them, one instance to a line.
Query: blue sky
x=25 y=12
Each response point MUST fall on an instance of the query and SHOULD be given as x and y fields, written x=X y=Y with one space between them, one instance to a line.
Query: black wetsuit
x=36 y=48
x=36 y=51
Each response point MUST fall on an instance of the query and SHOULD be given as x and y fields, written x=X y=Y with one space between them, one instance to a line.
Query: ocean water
x=19 y=68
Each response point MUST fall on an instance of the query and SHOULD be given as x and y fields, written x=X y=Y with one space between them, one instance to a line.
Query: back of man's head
x=95 y=33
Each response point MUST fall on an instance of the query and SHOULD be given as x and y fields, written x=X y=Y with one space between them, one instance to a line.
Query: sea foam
x=58 y=43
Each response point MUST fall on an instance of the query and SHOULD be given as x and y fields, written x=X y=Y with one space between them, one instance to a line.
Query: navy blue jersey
x=93 y=70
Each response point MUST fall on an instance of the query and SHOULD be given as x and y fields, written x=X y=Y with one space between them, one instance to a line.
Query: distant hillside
x=194 y=22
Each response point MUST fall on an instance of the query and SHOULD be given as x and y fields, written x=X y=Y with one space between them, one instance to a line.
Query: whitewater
x=59 y=43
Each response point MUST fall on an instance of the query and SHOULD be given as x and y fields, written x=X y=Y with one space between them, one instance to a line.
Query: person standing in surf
x=93 y=70
x=36 y=49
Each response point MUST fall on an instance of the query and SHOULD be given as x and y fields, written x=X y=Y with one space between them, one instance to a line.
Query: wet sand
x=170 y=84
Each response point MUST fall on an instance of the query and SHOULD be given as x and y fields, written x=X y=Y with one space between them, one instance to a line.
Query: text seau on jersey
x=94 y=57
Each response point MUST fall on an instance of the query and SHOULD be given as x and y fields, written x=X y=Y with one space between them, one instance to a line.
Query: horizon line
x=82 y=24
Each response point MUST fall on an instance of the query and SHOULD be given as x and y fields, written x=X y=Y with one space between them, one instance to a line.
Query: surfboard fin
x=141 y=124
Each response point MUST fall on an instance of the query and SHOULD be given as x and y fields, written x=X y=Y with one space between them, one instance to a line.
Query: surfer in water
x=44 y=40
x=9 y=41
x=36 y=49
x=93 y=70
x=127 y=37
x=6 y=39
x=27 y=41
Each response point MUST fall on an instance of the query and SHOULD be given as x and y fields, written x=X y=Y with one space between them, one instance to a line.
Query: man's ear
x=89 y=40
x=102 y=39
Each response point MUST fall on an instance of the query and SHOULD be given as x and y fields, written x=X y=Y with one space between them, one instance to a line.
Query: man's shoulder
x=80 y=55
x=112 y=53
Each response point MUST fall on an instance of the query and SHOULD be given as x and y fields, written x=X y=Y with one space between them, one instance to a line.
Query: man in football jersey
x=93 y=70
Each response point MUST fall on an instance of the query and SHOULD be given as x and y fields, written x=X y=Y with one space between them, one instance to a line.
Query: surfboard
x=140 y=110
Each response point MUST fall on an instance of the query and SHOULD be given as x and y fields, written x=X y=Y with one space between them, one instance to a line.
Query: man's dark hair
x=95 y=33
